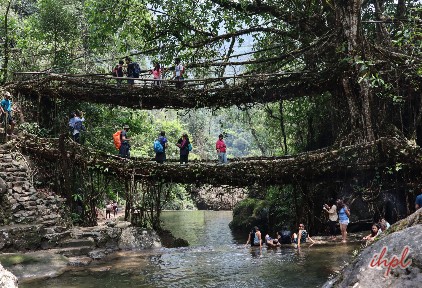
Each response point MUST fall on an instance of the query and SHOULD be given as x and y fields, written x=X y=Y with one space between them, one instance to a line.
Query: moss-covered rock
x=248 y=213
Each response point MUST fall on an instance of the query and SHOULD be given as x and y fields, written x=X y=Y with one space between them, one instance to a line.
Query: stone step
x=85 y=242
x=79 y=261
x=17 y=174
x=73 y=251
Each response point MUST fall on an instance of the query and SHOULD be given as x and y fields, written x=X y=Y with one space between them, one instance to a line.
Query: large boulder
x=369 y=269
x=7 y=279
x=138 y=238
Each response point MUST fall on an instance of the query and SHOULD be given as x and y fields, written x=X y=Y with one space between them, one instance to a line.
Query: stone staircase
x=31 y=217
x=34 y=220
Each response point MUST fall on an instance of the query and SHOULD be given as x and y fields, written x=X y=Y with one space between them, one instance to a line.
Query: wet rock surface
x=7 y=279
x=84 y=246
x=370 y=269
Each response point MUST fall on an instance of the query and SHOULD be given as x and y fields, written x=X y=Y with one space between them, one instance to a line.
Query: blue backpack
x=158 y=147
x=189 y=147
x=79 y=126
x=136 y=70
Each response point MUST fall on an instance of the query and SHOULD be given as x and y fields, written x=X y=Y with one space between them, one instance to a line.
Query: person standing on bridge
x=179 y=70
x=118 y=72
x=133 y=70
x=6 y=112
x=184 y=145
x=124 y=150
x=220 y=146
x=160 y=157
x=78 y=126
x=156 y=74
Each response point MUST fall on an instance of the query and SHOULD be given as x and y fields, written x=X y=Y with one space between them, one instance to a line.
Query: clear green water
x=216 y=258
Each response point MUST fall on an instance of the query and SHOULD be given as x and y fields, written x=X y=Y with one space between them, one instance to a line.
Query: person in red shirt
x=220 y=146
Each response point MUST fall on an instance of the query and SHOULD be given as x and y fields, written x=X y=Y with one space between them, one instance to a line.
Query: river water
x=215 y=258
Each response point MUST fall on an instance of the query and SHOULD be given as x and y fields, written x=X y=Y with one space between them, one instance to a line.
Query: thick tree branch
x=234 y=34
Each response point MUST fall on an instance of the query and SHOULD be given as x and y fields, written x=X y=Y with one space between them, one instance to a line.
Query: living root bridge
x=316 y=166
x=197 y=93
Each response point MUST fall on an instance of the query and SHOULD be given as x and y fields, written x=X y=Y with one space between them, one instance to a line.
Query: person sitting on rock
x=384 y=225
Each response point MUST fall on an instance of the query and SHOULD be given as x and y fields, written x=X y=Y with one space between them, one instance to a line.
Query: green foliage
x=56 y=25
x=35 y=129
x=117 y=25
x=248 y=213
x=178 y=199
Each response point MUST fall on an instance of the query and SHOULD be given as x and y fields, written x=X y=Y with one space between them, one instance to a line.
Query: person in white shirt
x=179 y=70
x=331 y=209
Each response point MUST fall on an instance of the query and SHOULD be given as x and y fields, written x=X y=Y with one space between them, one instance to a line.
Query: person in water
x=284 y=236
x=271 y=242
x=375 y=231
x=302 y=236
x=343 y=216
x=255 y=237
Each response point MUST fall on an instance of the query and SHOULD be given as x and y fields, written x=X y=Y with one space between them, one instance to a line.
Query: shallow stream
x=216 y=258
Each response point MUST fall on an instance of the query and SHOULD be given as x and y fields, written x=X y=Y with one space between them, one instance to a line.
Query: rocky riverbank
x=82 y=246
x=391 y=268
x=7 y=279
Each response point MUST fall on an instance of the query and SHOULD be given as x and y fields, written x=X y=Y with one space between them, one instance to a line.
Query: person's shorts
x=9 y=118
x=344 y=222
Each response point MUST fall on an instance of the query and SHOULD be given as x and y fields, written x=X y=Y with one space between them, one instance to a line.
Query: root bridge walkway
x=197 y=93
x=316 y=166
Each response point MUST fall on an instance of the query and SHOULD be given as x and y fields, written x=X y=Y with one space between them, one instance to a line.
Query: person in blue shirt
x=6 y=111
x=160 y=157
x=418 y=202
x=343 y=216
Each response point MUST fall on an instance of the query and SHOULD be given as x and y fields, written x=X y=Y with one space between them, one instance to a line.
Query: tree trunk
x=283 y=130
x=355 y=82
x=5 y=46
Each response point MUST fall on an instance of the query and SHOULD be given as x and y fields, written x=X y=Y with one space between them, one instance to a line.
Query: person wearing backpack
x=179 y=71
x=133 y=70
x=220 y=146
x=78 y=126
x=124 y=146
x=184 y=146
x=71 y=123
x=160 y=148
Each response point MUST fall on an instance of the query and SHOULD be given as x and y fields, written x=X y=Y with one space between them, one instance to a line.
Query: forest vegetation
x=353 y=76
